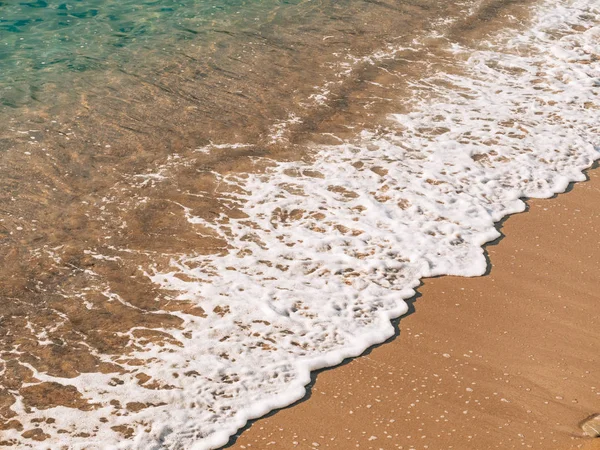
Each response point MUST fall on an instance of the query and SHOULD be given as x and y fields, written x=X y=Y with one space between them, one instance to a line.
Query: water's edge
x=205 y=290
x=395 y=321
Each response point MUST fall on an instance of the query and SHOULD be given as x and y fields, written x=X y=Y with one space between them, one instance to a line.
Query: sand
x=507 y=360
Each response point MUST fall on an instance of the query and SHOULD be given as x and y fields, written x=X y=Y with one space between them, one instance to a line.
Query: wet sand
x=507 y=360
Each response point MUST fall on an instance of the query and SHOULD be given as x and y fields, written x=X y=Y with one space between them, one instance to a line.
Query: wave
x=326 y=250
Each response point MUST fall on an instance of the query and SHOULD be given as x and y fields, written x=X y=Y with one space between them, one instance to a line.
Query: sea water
x=46 y=41
x=186 y=289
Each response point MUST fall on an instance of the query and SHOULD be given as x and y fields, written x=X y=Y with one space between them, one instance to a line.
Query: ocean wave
x=327 y=250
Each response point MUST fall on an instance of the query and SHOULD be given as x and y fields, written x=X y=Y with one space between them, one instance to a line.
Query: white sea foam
x=331 y=249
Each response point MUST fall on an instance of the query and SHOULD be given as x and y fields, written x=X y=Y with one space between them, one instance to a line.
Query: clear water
x=234 y=67
x=44 y=42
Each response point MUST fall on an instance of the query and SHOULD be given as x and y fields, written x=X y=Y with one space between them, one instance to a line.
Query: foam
x=330 y=250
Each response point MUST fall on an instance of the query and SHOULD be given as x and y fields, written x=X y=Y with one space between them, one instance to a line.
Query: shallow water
x=47 y=42
x=201 y=203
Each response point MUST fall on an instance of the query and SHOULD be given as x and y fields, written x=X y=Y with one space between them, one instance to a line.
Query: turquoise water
x=54 y=51
x=44 y=41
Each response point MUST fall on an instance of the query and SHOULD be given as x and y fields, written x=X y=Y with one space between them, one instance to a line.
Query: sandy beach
x=202 y=202
x=507 y=360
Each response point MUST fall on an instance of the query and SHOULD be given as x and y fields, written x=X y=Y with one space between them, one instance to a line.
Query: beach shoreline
x=485 y=362
x=180 y=253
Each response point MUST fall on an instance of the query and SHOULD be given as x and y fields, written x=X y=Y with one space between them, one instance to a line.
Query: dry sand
x=508 y=360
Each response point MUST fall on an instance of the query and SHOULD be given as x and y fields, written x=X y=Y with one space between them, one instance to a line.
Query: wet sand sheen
x=508 y=360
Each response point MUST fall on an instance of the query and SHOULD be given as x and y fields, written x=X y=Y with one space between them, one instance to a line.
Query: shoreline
x=529 y=386
x=181 y=274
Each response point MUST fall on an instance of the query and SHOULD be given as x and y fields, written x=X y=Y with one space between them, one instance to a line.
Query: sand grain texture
x=508 y=360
